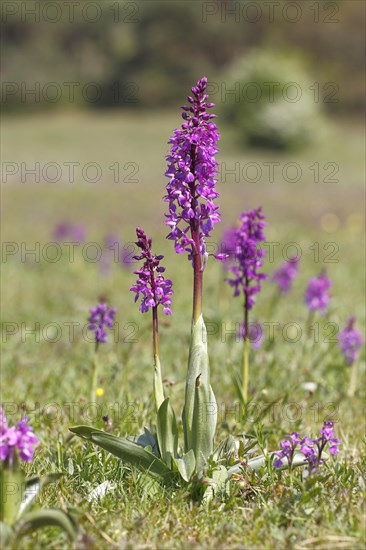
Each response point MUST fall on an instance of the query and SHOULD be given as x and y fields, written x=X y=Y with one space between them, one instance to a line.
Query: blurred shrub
x=269 y=99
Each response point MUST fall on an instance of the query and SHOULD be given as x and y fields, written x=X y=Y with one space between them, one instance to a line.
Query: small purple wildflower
x=192 y=173
x=284 y=276
x=151 y=284
x=288 y=447
x=248 y=256
x=350 y=341
x=312 y=449
x=316 y=295
x=18 y=439
x=101 y=317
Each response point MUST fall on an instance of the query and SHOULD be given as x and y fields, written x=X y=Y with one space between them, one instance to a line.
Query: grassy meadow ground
x=51 y=380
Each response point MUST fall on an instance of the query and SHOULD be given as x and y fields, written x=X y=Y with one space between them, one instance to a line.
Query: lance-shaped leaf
x=186 y=465
x=258 y=462
x=167 y=432
x=34 y=487
x=124 y=449
x=198 y=365
x=203 y=423
x=46 y=518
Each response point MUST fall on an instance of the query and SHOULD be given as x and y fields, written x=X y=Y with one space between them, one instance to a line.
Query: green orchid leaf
x=46 y=518
x=124 y=449
x=158 y=384
x=186 y=465
x=85 y=431
x=149 y=439
x=33 y=488
x=216 y=484
x=198 y=365
x=12 y=486
x=204 y=423
x=258 y=462
x=167 y=432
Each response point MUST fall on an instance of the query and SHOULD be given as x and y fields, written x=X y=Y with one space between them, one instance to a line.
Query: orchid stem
x=353 y=380
x=245 y=373
x=94 y=374
x=245 y=366
x=158 y=382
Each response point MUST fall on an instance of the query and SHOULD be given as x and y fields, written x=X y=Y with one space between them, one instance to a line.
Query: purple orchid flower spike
x=16 y=440
x=317 y=293
x=284 y=276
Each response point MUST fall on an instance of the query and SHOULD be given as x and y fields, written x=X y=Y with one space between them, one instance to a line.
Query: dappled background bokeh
x=90 y=97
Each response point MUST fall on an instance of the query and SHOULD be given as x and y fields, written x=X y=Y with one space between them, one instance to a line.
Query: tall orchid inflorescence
x=191 y=191
x=151 y=284
x=155 y=290
x=191 y=194
x=246 y=258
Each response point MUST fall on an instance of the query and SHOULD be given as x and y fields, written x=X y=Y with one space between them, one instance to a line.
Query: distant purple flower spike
x=350 y=341
x=317 y=295
x=61 y=231
x=248 y=256
x=68 y=231
x=284 y=276
x=192 y=173
x=18 y=439
x=151 y=284
x=78 y=233
x=101 y=318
